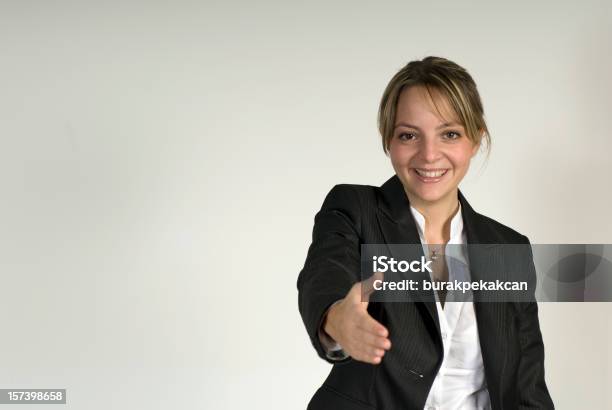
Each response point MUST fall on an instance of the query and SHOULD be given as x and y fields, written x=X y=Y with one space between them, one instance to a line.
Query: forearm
x=332 y=264
x=332 y=348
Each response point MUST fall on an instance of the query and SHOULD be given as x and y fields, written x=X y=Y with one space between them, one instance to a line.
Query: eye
x=451 y=135
x=406 y=136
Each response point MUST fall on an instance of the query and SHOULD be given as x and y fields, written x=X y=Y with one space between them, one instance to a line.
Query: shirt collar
x=456 y=226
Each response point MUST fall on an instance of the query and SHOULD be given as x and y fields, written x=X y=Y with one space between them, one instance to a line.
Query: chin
x=429 y=195
x=431 y=198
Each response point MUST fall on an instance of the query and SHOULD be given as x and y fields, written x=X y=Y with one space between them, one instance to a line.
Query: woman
x=423 y=354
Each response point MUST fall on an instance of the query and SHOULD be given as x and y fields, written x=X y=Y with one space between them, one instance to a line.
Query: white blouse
x=460 y=382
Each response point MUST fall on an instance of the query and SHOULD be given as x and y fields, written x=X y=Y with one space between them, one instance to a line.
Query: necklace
x=435 y=253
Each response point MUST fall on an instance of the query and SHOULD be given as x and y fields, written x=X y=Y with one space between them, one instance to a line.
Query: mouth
x=430 y=175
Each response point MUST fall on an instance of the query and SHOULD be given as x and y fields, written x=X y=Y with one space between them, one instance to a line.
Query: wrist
x=329 y=321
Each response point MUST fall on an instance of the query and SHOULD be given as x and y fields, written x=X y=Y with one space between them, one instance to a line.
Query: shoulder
x=352 y=203
x=486 y=230
x=351 y=196
x=344 y=210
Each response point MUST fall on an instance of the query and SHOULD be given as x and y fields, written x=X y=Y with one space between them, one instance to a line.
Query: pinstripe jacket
x=510 y=338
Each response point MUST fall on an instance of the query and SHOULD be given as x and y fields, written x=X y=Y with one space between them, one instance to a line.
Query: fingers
x=369 y=352
x=369 y=324
x=377 y=342
x=366 y=345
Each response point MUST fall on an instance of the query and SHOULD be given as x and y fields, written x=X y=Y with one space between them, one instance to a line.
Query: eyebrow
x=445 y=125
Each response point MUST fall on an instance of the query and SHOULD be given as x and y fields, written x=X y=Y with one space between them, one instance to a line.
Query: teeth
x=430 y=174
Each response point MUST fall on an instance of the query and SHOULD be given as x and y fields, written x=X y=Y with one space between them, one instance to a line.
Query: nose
x=429 y=150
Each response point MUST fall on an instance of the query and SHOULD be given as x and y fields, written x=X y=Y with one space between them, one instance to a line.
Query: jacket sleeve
x=332 y=264
x=532 y=385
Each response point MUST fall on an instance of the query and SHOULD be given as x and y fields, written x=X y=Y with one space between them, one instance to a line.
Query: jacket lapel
x=398 y=227
x=491 y=318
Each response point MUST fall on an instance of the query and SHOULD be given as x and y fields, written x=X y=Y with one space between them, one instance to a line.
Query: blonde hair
x=441 y=77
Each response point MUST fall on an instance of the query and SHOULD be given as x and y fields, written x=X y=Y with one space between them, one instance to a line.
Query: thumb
x=366 y=287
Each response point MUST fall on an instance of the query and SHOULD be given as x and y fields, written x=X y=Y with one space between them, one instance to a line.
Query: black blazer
x=510 y=338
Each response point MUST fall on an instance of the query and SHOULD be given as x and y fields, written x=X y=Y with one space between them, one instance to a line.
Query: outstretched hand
x=349 y=323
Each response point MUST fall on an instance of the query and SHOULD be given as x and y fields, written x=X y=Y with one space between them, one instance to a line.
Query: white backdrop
x=162 y=163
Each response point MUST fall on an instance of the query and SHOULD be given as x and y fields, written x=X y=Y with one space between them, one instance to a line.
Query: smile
x=430 y=173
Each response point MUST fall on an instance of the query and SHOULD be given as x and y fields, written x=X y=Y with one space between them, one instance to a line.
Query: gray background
x=162 y=163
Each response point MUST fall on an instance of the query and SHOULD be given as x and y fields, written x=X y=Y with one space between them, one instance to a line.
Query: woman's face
x=430 y=154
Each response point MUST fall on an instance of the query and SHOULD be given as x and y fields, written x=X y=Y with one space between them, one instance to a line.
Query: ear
x=477 y=146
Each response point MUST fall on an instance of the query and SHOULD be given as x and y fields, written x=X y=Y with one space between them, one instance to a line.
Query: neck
x=438 y=216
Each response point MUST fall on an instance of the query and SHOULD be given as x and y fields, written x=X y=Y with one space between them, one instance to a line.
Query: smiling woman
x=430 y=154
x=432 y=354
